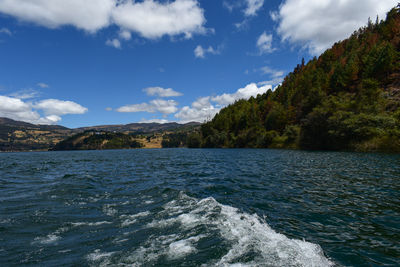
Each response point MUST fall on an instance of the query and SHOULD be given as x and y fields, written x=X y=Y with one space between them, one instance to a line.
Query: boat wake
x=186 y=228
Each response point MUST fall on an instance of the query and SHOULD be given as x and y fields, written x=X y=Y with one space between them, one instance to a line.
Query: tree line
x=346 y=99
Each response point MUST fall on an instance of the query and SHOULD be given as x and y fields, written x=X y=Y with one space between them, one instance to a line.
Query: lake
x=200 y=207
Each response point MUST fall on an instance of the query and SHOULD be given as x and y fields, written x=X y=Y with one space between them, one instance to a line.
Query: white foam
x=162 y=223
x=109 y=210
x=131 y=219
x=189 y=220
x=77 y=224
x=244 y=232
x=180 y=248
x=97 y=255
x=248 y=239
x=47 y=240
x=118 y=241
x=98 y=258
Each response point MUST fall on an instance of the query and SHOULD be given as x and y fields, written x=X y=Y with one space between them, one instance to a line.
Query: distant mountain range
x=23 y=136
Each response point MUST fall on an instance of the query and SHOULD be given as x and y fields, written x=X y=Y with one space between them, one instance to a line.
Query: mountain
x=139 y=127
x=157 y=136
x=23 y=136
x=92 y=140
x=346 y=99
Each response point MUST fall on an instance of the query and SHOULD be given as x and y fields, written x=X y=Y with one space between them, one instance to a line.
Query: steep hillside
x=347 y=99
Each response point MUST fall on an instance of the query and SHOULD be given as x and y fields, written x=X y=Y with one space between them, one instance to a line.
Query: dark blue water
x=181 y=207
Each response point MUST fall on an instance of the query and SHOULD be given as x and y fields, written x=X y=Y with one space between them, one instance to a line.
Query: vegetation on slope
x=347 y=99
x=22 y=136
x=91 y=140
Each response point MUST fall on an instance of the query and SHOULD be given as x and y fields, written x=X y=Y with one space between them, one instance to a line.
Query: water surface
x=181 y=207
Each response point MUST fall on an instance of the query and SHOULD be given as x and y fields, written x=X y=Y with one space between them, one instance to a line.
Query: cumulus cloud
x=5 y=31
x=252 y=7
x=205 y=108
x=201 y=110
x=59 y=107
x=149 y=18
x=243 y=93
x=89 y=15
x=264 y=43
x=201 y=52
x=161 y=92
x=316 y=25
x=156 y=105
x=17 y=109
x=153 y=19
x=114 y=43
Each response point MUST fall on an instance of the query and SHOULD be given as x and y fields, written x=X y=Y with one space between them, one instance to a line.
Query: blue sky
x=80 y=63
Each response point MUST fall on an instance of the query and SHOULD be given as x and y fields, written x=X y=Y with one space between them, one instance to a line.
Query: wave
x=186 y=226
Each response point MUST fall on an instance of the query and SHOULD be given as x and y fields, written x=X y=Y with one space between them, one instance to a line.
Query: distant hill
x=347 y=99
x=140 y=127
x=92 y=140
x=23 y=136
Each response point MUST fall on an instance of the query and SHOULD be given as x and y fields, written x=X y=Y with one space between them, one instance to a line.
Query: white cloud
x=156 y=105
x=317 y=25
x=149 y=18
x=89 y=15
x=161 y=121
x=274 y=15
x=108 y=109
x=144 y=107
x=201 y=52
x=252 y=7
x=125 y=35
x=200 y=111
x=264 y=43
x=203 y=109
x=15 y=108
x=152 y=19
x=243 y=93
x=25 y=94
x=59 y=107
x=230 y=6
x=161 y=92
x=5 y=31
x=43 y=85
x=272 y=72
x=276 y=76
x=114 y=43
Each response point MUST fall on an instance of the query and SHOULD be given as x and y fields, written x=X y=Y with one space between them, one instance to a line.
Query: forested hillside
x=347 y=99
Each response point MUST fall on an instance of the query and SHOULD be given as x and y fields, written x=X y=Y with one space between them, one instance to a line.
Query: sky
x=93 y=62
